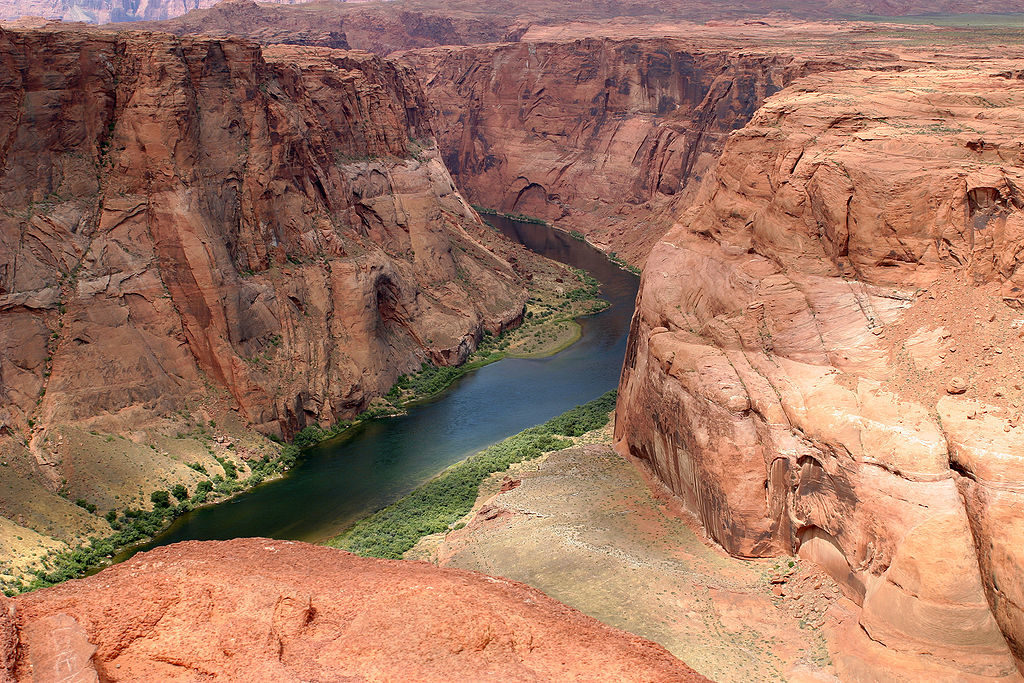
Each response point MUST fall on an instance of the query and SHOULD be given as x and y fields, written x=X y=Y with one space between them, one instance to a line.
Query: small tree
x=161 y=499
x=180 y=492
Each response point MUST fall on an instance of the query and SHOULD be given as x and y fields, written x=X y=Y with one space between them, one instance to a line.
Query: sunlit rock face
x=791 y=362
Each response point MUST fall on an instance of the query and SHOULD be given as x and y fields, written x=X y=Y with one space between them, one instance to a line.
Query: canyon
x=200 y=232
x=231 y=218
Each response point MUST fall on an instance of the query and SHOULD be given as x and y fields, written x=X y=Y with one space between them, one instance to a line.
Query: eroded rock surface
x=198 y=221
x=181 y=212
x=312 y=613
x=857 y=248
x=576 y=130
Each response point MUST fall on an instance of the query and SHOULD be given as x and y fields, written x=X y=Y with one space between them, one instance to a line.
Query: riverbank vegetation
x=134 y=525
x=622 y=263
x=484 y=211
x=549 y=326
x=442 y=501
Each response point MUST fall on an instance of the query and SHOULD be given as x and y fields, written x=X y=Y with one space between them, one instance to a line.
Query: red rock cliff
x=188 y=215
x=825 y=357
x=584 y=131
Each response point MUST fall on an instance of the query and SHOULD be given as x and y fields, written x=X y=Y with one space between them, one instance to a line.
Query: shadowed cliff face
x=825 y=357
x=189 y=217
x=586 y=131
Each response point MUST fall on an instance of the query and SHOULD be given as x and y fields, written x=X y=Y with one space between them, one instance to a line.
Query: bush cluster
x=134 y=525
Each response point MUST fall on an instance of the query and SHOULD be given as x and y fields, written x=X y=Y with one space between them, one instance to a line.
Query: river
x=376 y=463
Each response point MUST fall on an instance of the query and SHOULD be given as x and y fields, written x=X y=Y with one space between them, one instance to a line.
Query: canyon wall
x=380 y=28
x=193 y=218
x=594 y=132
x=268 y=24
x=825 y=358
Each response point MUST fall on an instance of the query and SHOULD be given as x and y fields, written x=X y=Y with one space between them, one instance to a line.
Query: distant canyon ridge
x=494 y=17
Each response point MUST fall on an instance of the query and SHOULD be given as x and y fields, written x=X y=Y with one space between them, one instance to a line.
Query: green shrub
x=82 y=503
x=308 y=436
x=161 y=499
x=180 y=492
x=436 y=505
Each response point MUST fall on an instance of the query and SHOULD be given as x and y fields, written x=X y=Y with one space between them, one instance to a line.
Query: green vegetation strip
x=135 y=525
x=438 y=504
x=484 y=211
x=430 y=380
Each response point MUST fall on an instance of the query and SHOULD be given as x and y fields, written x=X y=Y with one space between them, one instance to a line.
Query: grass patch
x=441 y=502
x=622 y=263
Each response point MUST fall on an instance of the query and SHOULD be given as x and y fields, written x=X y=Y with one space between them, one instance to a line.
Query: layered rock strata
x=589 y=131
x=104 y=11
x=791 y=362
x=184 y=217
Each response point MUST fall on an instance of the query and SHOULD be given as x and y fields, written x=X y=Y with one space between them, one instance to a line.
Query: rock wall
x=588 y=131
x=184 y=217
x=825 y=358
x=266 y=23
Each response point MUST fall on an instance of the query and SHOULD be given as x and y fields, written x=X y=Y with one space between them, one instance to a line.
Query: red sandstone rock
x=187 y=212
x=783 y=374
x=8 y=640
x=567 y=130
x=268 y=24
x=257 y=609
x=60 y=650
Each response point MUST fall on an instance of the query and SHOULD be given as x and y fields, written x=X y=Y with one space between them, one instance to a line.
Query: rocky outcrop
x=267 y=24
x=858 y=247
x=258 y=609
x=386 y=28
x=186 y=218
x=587 y=131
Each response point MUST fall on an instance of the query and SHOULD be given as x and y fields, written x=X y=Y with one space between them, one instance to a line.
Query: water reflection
x=380 y=461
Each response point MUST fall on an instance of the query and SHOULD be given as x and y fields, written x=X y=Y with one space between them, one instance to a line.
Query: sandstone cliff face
x=585 y=131
x=256 y=609
x=184 y=217
x=858 y=247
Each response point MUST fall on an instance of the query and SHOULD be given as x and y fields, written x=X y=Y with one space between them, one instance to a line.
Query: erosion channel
x=377 y=462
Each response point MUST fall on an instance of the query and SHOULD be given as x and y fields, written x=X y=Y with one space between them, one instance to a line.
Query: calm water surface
x=378 y=462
